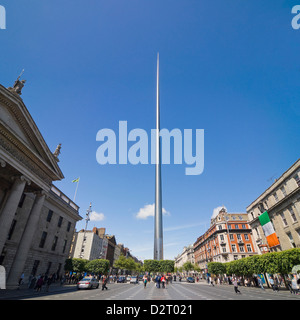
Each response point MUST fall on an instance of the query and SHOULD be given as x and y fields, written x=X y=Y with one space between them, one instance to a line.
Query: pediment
x=19 y=128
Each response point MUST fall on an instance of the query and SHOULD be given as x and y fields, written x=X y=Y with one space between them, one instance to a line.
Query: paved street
x=174 y=291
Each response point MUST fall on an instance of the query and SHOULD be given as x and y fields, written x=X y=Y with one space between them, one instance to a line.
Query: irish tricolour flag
x=268 y=229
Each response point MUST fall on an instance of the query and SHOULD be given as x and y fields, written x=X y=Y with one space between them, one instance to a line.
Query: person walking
x=163 y=281
x=21 y=280
x=235 y=284
x=260 y=283
x=157 y=279
x=48 y=282
x=104 y=282
x=39 y=283
x=145 y=280
x=271 y=281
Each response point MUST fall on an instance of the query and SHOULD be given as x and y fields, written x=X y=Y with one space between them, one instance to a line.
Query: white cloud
x=216 y=211
x=96 y=216
x=148 y=211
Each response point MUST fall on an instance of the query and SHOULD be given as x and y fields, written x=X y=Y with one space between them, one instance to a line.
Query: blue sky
x=228 y=67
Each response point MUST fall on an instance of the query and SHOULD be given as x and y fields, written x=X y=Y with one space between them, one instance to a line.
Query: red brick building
x=228 y=238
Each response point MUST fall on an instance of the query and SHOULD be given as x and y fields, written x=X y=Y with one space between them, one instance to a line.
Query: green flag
x=76 y=180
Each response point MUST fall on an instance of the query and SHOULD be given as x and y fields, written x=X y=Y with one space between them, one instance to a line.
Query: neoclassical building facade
x=37 y=220
x=281 y=201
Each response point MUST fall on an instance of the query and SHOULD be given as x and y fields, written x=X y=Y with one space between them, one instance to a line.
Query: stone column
x=10 y=208
x=25 y=243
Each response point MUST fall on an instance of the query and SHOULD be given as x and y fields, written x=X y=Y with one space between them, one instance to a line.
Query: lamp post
x=87 y=219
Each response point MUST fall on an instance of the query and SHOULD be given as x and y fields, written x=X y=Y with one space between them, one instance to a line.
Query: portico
x=27 y=170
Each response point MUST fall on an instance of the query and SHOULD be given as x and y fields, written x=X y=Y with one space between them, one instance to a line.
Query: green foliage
x=82 y=265
x=76 y=265
x=165 y=266
x=98 y=266
x=272 y=262
x=188 y=266
x=127 y=264
x=216 y=268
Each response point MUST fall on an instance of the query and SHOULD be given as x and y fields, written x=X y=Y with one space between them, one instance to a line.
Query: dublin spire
x=158 y=229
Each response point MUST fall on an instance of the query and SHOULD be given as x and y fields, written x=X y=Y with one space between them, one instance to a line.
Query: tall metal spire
x=158 y=228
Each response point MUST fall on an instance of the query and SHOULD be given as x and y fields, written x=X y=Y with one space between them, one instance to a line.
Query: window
x=231 y=237
x=223 y=249
x=243 y=226
x=220 y=227
x=283 y=219
x=292 y=213
x=48 y=267
x=35 y=267
x=236 y=226
x=69 y=226
x=266 y=204
x=275 y=197
x=239 y=236
x=22 y=200
x=54 y=243
x=49 y=216
x=12 y=228
x=283 y=191
x=64 y=247
x=246 y=237
x=249 y=249
x=43 y=239
x=241 y=248
x=221 y=237
x=233 y=248
x=291 y=239
x=60 y=221
x=296 y=177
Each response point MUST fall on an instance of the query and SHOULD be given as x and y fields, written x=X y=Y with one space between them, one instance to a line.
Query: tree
x=151 y=265
x=98 y=266
x=121 y=263
x=188 y=266
x=216 y=268
x=76 y=265
x=166 y=266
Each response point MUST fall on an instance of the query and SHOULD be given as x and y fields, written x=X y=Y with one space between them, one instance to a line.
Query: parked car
x=134 y=280
x=88 y=283
x=190 y=279
x=121 y=279
x=128 y=278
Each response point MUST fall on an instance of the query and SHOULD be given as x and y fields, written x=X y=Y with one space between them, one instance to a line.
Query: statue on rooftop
x=18 y=85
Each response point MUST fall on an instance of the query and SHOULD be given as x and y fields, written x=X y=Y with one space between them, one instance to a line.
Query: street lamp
x=87 y=219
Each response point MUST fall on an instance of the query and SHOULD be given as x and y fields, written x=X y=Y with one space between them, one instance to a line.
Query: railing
x=64 y=198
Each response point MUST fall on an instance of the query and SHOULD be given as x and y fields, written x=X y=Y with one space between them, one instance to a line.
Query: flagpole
x=76 y=189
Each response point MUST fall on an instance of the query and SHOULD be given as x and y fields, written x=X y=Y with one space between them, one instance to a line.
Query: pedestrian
x=235 y=284
x=276 y=284
x=104 y=282
x=271 y=280
x=145 y=280
x=48 y=282
x=260 y=283
x=210 y=280
x=21 y=280
x=157 y=279
x=163 y=281
x=39 y=283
